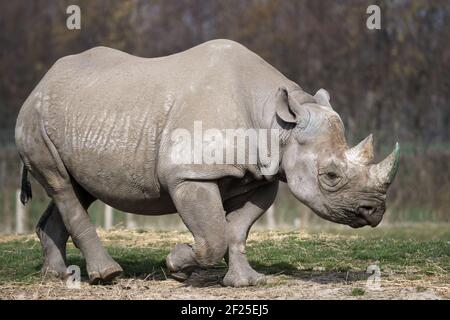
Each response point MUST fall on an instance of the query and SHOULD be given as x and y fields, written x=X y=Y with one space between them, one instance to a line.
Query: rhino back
x=105 y=110
x=104 y=113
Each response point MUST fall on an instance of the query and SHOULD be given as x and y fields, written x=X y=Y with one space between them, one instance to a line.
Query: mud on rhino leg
x=240 y=273
x=200 y=207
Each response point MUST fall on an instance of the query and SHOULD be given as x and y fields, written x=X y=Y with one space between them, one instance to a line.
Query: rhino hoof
x=56 y=273
x=184 y=274
x=106 y=275
x=180 y=258
x=180 y=276
x=251 y=278
x=49 y=273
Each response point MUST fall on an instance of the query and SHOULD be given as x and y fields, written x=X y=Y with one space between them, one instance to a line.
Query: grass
x=357 y=292
x=392 y=252
x=413 y=251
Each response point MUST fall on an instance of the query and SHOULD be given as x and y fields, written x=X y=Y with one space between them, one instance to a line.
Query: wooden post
x=20 y=215
x=109 y=218
x=271 y=217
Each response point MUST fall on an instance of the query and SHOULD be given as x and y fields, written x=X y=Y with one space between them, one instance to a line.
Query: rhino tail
x=25 y=190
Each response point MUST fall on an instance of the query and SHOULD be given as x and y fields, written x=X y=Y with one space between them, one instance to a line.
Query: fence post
x=109 y=218
x=271 y=217
x=297 y=223
x=20 y=215
x=130 y=223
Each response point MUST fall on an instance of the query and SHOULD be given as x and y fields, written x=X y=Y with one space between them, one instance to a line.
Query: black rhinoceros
x=99 y=125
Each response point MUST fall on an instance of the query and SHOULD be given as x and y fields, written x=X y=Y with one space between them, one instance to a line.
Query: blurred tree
x=393 y=82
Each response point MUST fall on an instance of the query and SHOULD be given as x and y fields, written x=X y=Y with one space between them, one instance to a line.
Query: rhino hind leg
x=240 y=273
x=200 y=207
x=100 y=266
x=53 y=236
x=47 y=167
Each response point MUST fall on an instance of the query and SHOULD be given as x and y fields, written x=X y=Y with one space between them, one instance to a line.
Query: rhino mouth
x=346 y=216
x=364 y=213
x=360 y=217
x=358 y=222
x=367 y=214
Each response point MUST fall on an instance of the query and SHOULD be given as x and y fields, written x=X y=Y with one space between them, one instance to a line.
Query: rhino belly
x=124 y=179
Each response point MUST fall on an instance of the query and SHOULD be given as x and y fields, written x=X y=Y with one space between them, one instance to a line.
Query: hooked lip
x=368 y=212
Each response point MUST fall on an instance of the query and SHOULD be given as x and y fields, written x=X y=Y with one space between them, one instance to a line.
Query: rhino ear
x=323 y=98
x=283 y=109
x=289 y=106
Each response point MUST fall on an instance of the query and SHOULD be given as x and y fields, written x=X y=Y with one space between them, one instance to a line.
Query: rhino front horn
x=385 y=170
x=363 y=152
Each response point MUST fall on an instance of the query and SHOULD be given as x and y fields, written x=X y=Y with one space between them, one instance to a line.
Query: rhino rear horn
x=363 y=152
x=322 y=97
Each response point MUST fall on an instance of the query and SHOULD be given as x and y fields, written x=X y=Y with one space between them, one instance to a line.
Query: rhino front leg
x=240 y=273
x=200 y=207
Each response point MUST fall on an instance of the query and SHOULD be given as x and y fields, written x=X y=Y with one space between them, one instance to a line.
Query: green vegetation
x=357 y=292
x=415 y=252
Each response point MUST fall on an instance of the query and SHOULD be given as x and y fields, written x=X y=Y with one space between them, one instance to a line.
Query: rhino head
x=338 y=183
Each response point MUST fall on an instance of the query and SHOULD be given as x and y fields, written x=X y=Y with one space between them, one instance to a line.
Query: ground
x=413 y=260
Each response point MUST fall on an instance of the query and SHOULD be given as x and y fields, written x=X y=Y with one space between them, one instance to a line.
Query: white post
x=20 y=214
x=131 y=224
x=297 y=223
x=271 y=217
x=108 y=217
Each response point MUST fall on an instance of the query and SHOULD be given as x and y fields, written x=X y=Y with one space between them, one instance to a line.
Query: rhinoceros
x=98 y=126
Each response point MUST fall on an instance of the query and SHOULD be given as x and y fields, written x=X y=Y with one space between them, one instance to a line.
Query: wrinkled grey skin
x=98 y=126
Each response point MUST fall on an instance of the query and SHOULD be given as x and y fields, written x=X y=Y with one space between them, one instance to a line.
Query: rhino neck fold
x=264 y=117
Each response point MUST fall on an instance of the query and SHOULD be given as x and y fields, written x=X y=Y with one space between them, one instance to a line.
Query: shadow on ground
x=155 y=269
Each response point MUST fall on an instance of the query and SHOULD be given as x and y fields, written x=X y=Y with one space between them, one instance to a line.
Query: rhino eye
x=330 y=180
x=332 y=175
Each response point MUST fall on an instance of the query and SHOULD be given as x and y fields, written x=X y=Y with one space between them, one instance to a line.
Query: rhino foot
x=181 y=259
x=243 y=278
x=184 y=274
x=102 y=274
x=58 y=272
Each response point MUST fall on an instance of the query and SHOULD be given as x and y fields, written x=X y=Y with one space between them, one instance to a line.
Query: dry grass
x=334 y=270
x=320 y=286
